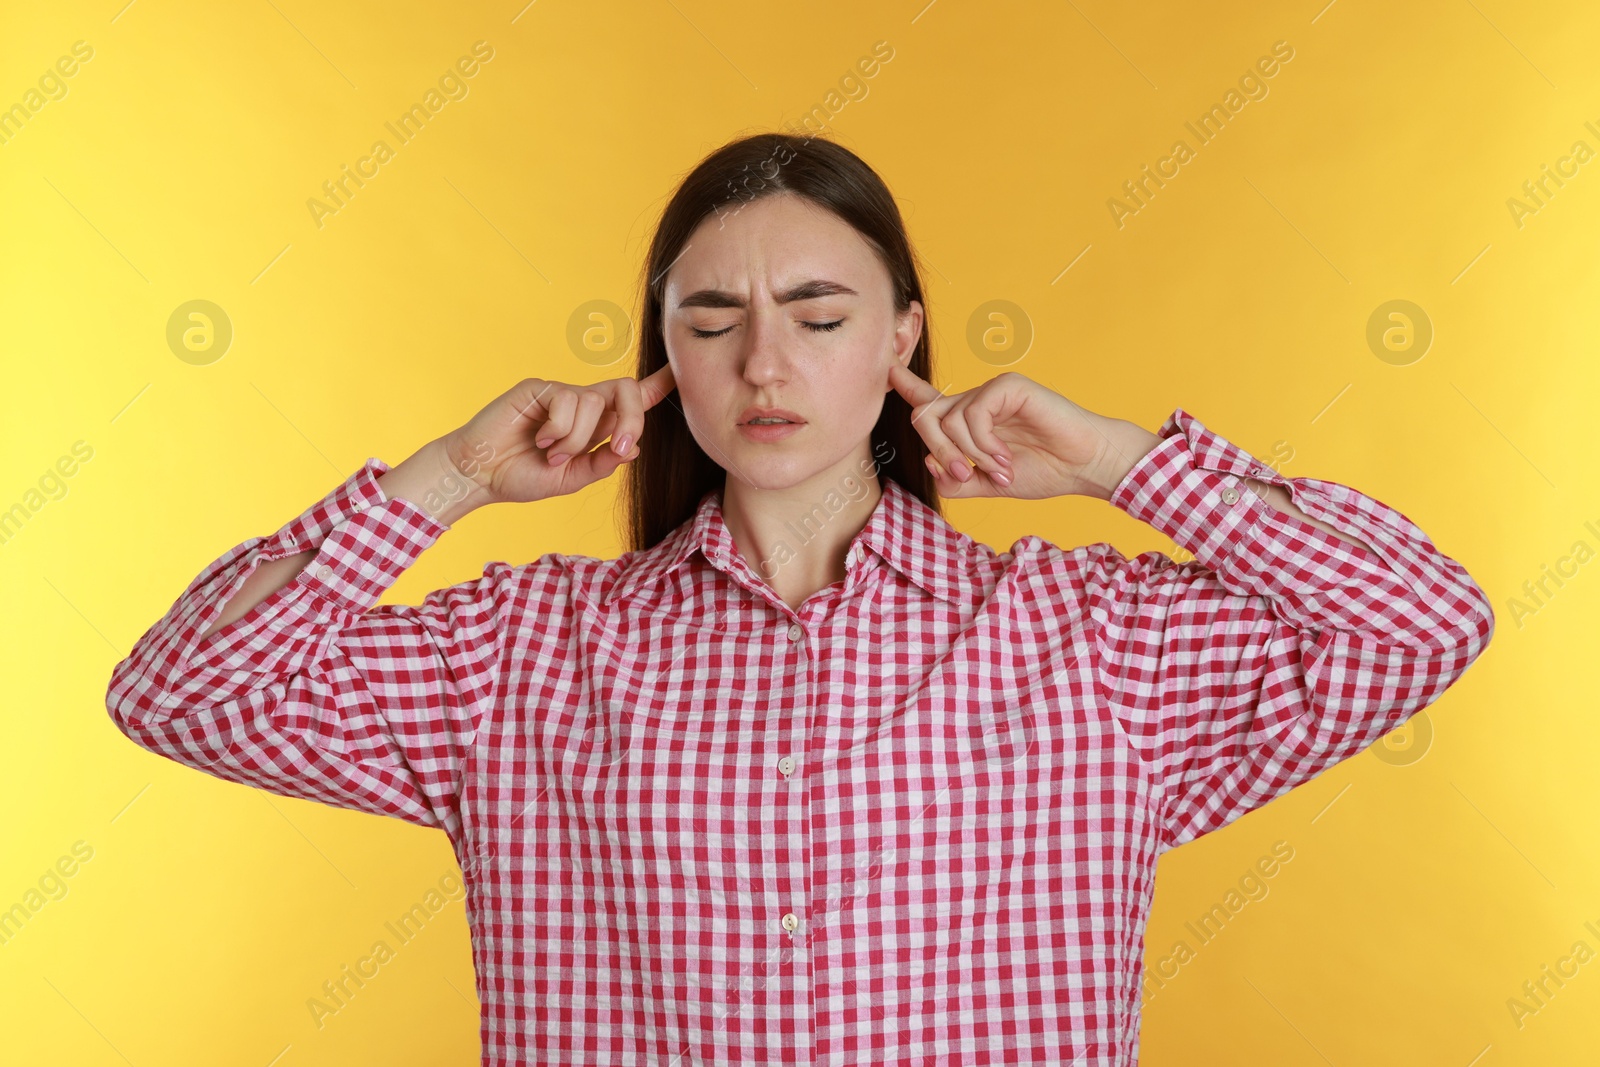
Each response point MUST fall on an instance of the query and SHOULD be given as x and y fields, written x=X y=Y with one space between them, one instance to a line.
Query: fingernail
x=933 y=468
x=961 y=470
x=1002 y=459
x=544 y=442
x=557 y=460
x=622 y=444
x=1002 y=477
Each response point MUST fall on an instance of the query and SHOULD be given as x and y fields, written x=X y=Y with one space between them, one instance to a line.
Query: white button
x=324 y=573
x=791 y=922
x=786 y=765
x=1230 y=494
x=794 y=632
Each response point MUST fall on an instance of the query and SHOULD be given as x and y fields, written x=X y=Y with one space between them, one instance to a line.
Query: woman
x=807 y=775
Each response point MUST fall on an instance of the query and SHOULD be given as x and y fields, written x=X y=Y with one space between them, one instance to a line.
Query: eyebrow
x=807 y=290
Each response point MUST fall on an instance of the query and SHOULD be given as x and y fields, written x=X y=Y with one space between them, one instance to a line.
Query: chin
x=759 y=468
x=772 y=476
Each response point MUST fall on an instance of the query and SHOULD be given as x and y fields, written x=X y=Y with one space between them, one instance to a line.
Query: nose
x=766 y=362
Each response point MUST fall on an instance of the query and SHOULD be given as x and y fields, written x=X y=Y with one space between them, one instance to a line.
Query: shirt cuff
x=363 y=540
x=1191 y=486
x=363 y=543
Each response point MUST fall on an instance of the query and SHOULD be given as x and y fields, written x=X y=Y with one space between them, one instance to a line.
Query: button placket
x=794 y=822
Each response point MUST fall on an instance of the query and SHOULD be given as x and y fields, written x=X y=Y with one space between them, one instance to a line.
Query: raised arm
x=274 y=668
x=1311 y=621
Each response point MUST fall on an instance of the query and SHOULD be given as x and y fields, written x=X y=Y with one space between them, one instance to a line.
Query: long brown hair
x=665 y=484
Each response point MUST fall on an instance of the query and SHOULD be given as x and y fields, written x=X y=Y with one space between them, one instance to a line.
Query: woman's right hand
x=534 y=441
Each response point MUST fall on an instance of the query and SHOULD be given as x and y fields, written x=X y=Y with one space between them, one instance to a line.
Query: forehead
x=776 y=241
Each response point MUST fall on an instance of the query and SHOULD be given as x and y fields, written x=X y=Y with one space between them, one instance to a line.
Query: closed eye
x=814 y=327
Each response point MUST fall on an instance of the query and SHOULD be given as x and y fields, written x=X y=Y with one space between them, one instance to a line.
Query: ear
x=907 y=331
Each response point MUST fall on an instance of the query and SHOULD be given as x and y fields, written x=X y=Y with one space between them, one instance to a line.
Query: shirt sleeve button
x=324 y=573
x=1230 y=495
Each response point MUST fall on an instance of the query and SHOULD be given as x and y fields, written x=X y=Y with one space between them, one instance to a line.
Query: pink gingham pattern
x=915 y=821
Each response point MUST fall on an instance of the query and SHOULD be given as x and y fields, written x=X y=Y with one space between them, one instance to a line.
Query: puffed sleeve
x=316 y=693
x=1279 y=650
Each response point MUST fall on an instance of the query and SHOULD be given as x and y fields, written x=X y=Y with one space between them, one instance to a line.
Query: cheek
x=694 y=376
x=850 y=398
x=702 y=389
x=863 y=382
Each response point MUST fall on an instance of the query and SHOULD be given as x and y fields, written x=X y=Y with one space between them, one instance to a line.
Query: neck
x=796 y=538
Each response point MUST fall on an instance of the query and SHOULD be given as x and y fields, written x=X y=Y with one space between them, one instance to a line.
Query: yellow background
x=1421 y=894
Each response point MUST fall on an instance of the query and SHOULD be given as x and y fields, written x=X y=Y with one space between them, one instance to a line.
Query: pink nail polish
x=1002 y=459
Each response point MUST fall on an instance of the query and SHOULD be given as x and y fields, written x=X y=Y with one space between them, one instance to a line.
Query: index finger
x=909 y=384
x=655 y=387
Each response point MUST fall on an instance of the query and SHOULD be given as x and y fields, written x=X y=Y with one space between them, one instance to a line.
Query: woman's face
x=803 y=319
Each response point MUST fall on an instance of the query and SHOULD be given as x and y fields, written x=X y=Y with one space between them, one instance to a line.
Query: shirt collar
x=907 y=534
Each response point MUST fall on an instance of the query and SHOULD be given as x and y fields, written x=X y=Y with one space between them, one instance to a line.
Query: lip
x=769 y=413
x=776 y=431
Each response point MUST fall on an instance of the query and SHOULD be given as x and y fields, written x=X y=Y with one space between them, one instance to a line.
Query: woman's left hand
x=1026 y=441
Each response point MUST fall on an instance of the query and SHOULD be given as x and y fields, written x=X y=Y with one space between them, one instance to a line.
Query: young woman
x=807 y=775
